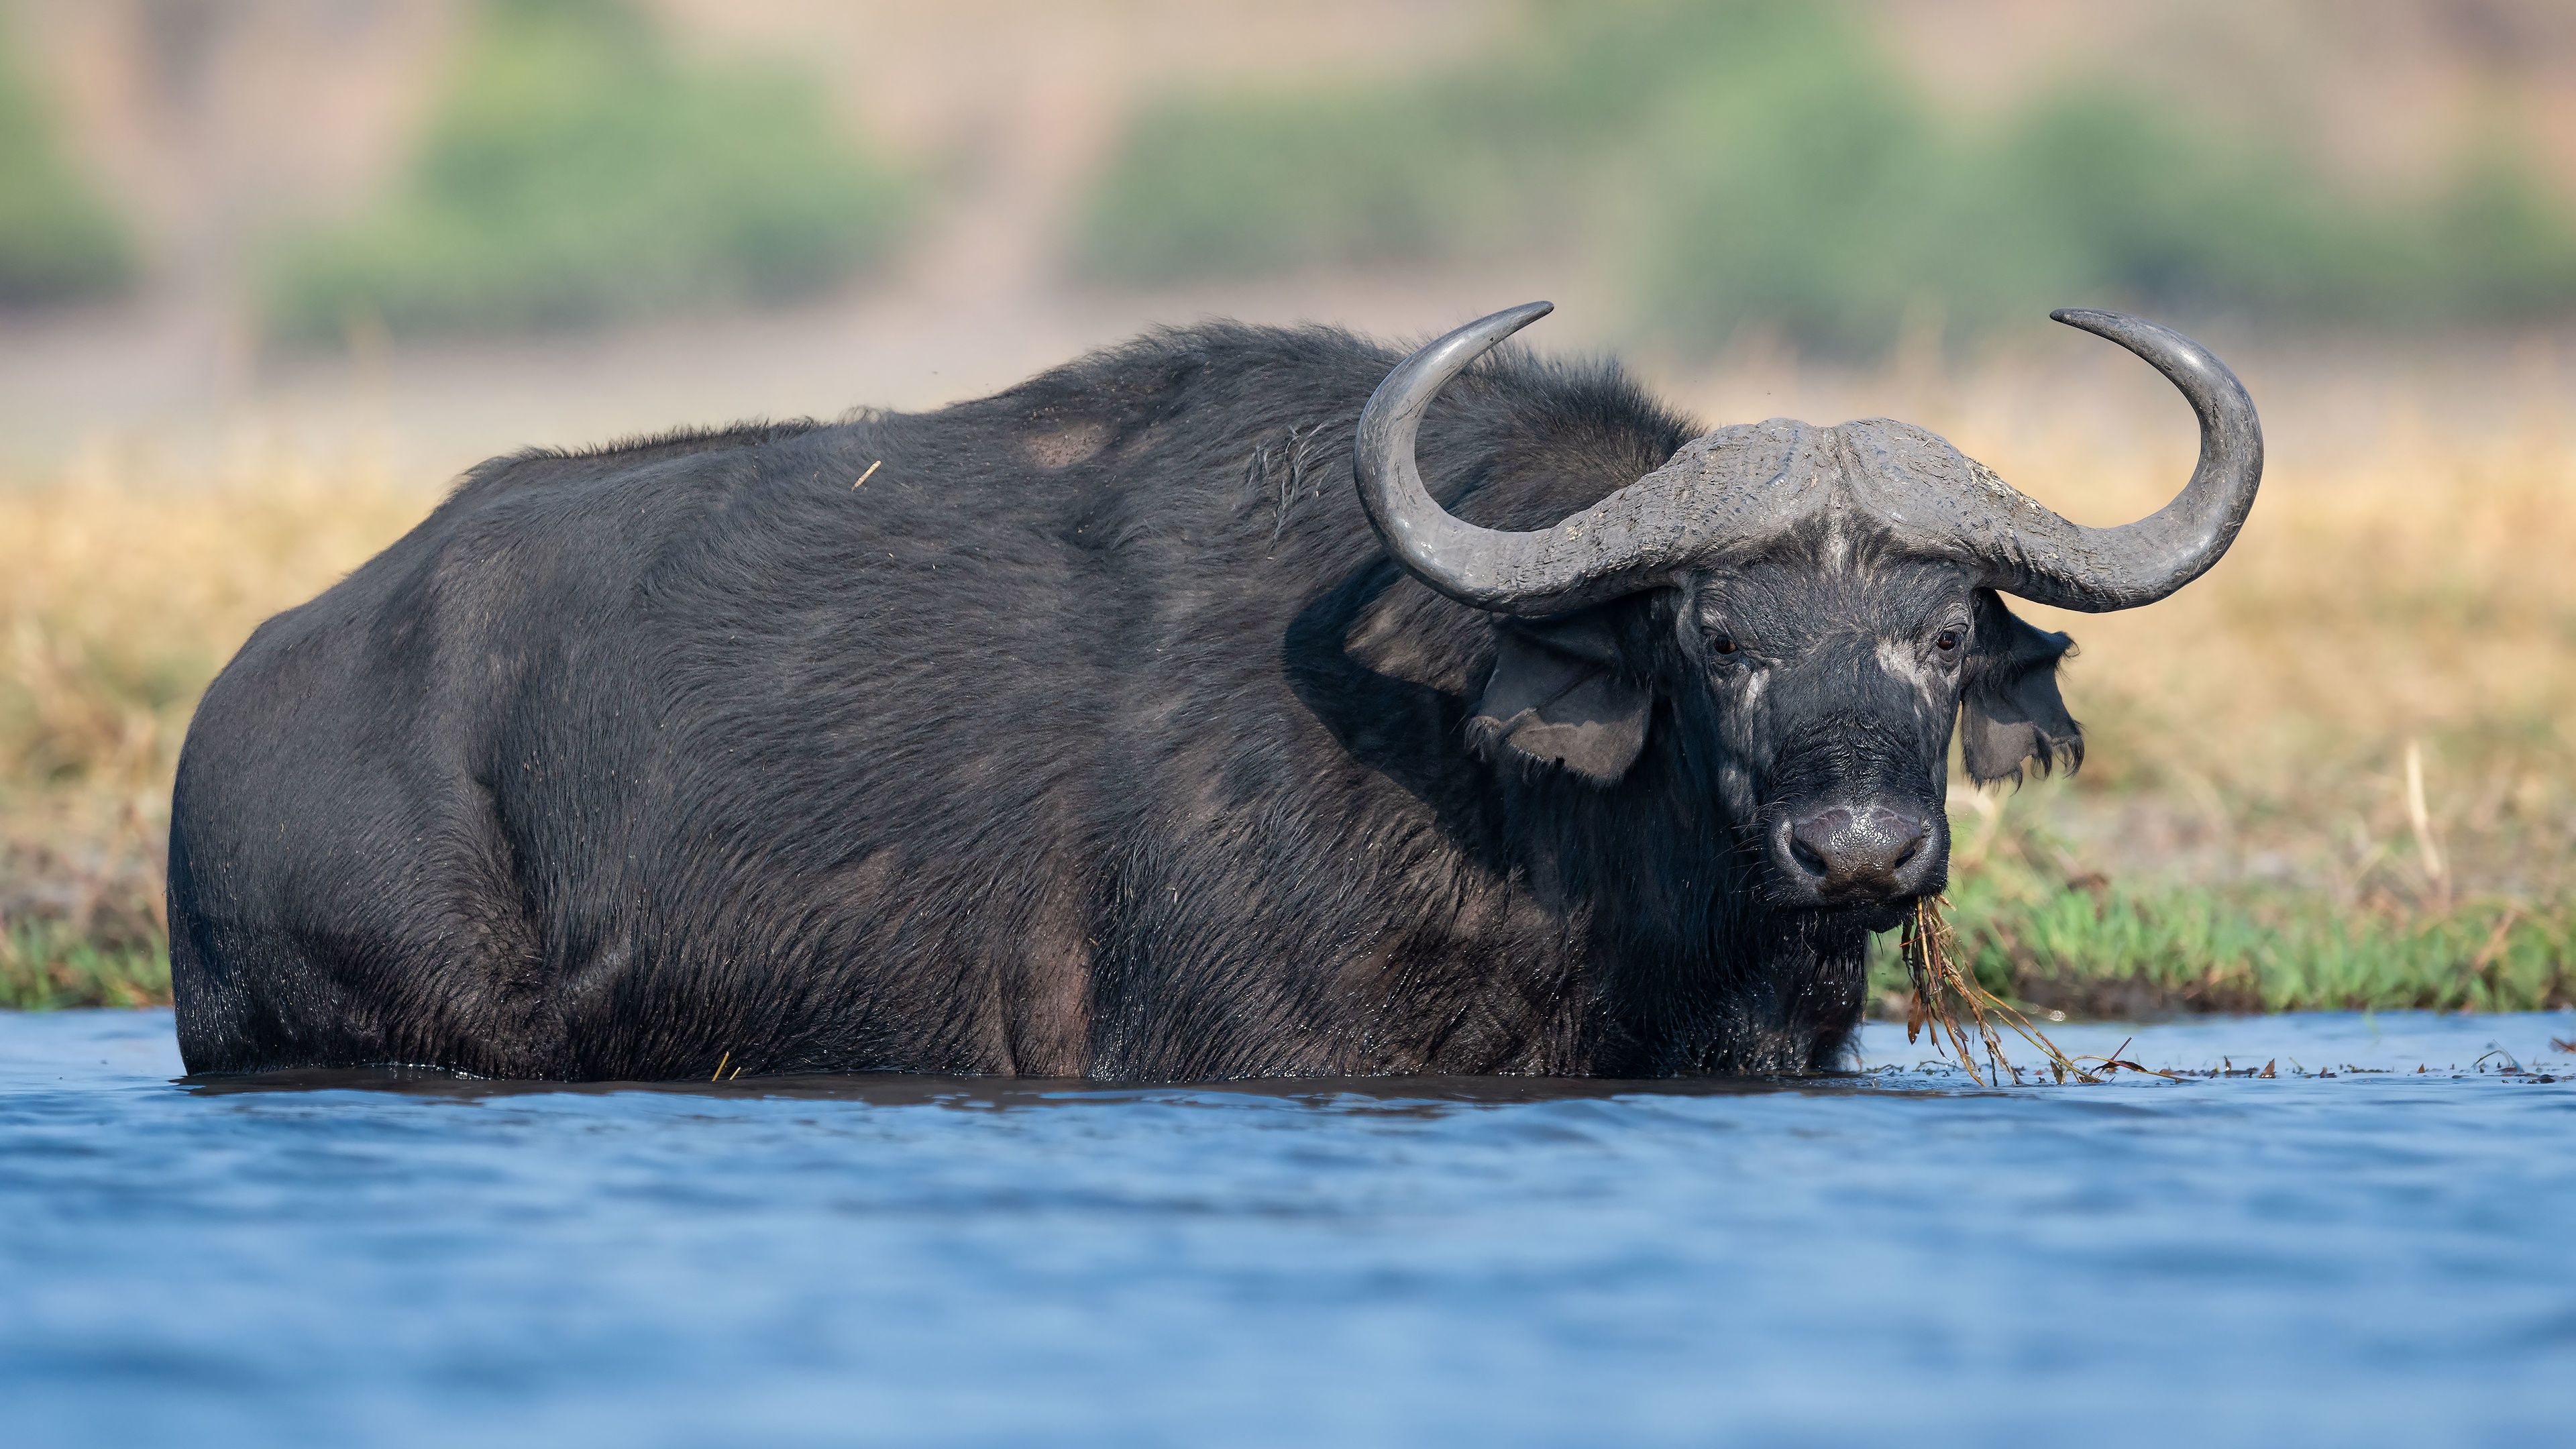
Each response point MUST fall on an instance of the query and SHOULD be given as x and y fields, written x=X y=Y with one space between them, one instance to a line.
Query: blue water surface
x=1897 y=1257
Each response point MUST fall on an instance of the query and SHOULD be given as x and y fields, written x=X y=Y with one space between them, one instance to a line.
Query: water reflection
x=901 y=1089
x=2336 y=1044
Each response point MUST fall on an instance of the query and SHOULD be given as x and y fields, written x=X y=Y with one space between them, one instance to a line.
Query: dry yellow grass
x=2413 y=588
x=2415 y=595
x=118 y=601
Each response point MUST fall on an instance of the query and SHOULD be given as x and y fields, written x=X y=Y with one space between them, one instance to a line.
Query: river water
x=1899 y=1256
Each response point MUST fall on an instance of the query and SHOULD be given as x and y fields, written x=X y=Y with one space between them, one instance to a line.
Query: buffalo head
x=1817 y=607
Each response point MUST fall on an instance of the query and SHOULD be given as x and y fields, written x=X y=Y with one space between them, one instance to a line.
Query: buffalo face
x=1813 y=692
x=1829 y=692
x=1827 y=683
x=1817 y=606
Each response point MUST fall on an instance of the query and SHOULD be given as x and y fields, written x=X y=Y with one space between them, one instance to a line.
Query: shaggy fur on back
x=1094 y=735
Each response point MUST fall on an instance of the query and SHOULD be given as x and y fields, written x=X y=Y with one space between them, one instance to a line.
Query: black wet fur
x=1095 y=735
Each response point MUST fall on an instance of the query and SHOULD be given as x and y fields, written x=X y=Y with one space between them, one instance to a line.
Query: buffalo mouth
x=1867 y=918
x=1882 y=915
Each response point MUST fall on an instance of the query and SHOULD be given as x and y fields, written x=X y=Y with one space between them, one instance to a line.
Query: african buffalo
x=1102 y=728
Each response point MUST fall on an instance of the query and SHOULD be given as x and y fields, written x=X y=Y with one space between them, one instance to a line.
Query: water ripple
x=403 y=1258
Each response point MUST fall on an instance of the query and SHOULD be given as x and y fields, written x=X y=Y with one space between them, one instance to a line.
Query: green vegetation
x=578 y=172
x=2109 y=952
x=2101 y=950
x=58 y=242
x=45 y=967
x=2036 y=920
x=1761 y=162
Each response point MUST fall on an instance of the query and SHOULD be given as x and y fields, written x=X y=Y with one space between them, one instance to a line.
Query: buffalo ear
x=1557 y=696
x=2010 y=714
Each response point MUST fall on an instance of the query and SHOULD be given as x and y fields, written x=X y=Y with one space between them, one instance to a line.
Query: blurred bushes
x=577 y=172
x=58 y=242
x=1762 y=163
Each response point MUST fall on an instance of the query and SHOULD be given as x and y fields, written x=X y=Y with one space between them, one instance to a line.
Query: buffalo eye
x=1947 y=641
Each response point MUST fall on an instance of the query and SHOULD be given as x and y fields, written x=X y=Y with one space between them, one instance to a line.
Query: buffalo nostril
x=1911 y=835
x=1815 y=842
x=1806 y=857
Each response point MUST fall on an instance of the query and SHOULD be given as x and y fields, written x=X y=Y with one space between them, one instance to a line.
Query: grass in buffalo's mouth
x=1930 y=953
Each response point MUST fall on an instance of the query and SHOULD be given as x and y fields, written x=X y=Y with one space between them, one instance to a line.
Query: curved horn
x=2048 y=560
x=1614 y=547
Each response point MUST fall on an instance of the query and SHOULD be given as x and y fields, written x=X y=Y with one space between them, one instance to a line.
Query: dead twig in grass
x=2428 y=851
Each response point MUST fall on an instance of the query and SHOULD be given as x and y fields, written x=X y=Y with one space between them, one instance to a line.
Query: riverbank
x=2338 y=773
x=2101 y=953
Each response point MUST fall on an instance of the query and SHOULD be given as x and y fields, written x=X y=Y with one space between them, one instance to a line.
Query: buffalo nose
x=1855 y=852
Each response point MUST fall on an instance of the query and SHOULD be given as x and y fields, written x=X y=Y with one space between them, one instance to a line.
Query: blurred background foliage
x=1765 y=163
x=577 y=172
x=58 y=240
x=1719 y=168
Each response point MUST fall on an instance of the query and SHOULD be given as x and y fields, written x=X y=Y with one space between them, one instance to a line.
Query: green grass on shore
x=2111 y=951
x=2103 y=951
x=45 y=966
